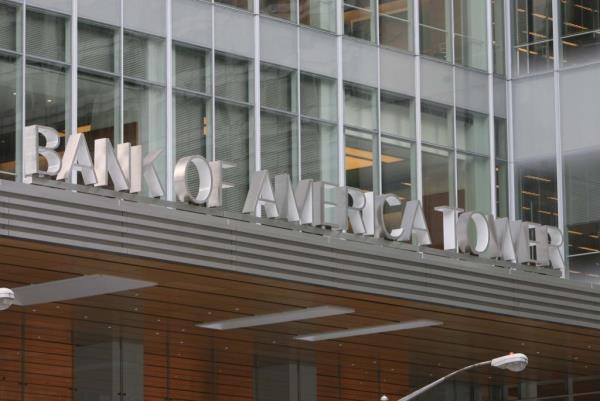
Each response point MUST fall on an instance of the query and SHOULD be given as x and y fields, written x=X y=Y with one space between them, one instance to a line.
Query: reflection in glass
x=436 y=124
x=397 y=168
x=277 y=88
x=144 y=121
x=143 y=57
x=537 y=192
x=498 y=36
x=45 y=97
x=580 y=30
x=501 y=148
x=438 y=184
x=473 y=183
x=470 y=33
x=361 y=160
x=8 y=27
x=97 y=105
x=360 y=106
x=191 y=128
x=397 y=115
x=232 y=141
x=318 y=14
x=472 y=132
x=98 y=47
x=285 y=9
x=435 y=24
x=358 y=19
x=532 y=35
x=319 y=151
x=395 y=28
x=46 y=36
x=8 y=113
x=279 y=144
x=318 y=97
x=243 y=4
x=232 y=78
x=191 y=68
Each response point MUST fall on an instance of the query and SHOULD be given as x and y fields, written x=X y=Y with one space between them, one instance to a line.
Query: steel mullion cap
x=332 y=335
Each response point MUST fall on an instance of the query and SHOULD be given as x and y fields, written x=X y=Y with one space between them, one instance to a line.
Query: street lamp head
x=512 y=362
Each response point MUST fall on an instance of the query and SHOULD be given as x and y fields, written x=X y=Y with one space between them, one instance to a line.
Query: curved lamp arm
x=441 y=380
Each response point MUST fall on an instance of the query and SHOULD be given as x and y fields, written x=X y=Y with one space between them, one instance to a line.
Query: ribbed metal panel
x=238 y=243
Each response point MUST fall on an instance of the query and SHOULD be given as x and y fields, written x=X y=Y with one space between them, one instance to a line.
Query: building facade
x=483 y=105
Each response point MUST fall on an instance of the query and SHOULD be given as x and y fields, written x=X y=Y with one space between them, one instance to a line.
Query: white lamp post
x=512 y=362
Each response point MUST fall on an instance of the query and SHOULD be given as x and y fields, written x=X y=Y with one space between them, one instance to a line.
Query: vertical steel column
x=491 y=111
x=558 y=129
x=417 y=103
x=213 y=104
x=21 y=92
x=74 y=68
x=453 y=199
x=339 y=6
x=170 y=146
x=298 y=99
x=512 y=214
x=256 y=83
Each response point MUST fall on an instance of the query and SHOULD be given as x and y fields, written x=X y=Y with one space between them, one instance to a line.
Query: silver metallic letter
x=106 y=163
x=381 y=228
x=465 y=242
x=261 y=194
x=155 y=189
x=352 y=212
x=450 y=217
x=555 y=248
x=215 y=198
x=205 y=178
x=414 y=225
x=77 y=158
x=31 y=149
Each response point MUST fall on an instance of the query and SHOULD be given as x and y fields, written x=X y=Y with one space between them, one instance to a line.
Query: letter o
x=205 y=179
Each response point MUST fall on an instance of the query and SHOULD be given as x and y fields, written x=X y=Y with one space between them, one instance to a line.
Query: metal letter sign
x=311 y=202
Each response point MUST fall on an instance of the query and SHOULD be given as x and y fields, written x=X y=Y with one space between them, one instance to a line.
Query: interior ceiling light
x=68 y=289
x=280 y=317
x=413 y=324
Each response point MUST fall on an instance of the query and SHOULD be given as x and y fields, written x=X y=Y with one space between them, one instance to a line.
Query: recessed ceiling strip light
x=413 y=324
x=273 y=318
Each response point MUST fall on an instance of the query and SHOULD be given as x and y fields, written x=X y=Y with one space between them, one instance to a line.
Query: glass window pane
x=232 y=141
x=318 y=14
x=8 y=113
x=45 y=97
x=532 y=35
x=580 y=31
x=144 y=121
x=319 y=152
x=498 y=36
x=97 y=106
x=232 y=78
x=143 y=57
x=277 y=88
x=279 y=144
x=501 y=144
x=470 y=33
x=472 y=132
x=243 y=4
x=8 y=27
x=191 y=68
x=279 y=8
x=361 y=163
x=46 y=36
x=436 y=124
x=397 y=115
x=397 y=168
x=358 y=19
x=318 y=97
x=438 y=178
x=360 y=107
x=473 y=183
x=191 y=127
x=98 y=47
x=501 y=188
x=435 y=24
x=395 y=29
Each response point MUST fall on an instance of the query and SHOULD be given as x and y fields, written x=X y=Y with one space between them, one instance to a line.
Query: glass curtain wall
x=435 y=26
x=318 y=128
x=317 y=13
x=361 y=137
x=580 y=31
x=279 y=121
x=233 y=106
x=395 y=24
x=9 y=57
x=191 y=106
x=358 y=19
x=532 y=36
x=470 y=48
